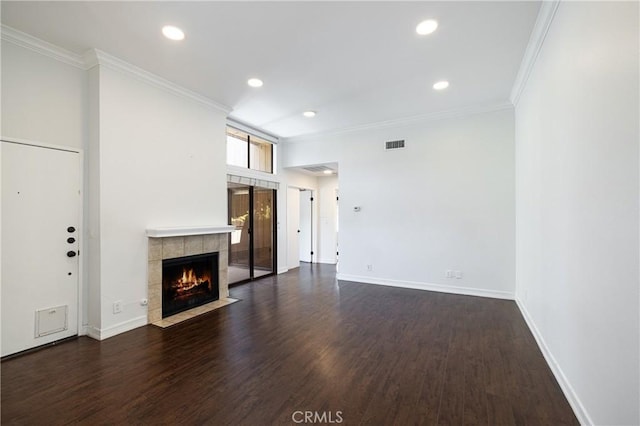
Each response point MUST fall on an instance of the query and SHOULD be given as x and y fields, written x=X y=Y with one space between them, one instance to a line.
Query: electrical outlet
x=449 y=273
x=458 y=274
x=369 y=267
x=117 y=307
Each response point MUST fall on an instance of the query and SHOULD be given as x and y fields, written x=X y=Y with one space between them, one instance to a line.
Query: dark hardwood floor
x=301 y=341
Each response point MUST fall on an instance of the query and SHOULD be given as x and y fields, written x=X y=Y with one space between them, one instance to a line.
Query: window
x=237 y=149
x=249 y=151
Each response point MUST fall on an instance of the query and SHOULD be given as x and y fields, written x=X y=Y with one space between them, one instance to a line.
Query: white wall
x=92 y=303
x=577 y=207
x=43 y=99
x=1 y=73
x=327 y=219
x=444 y=202
x=161 y=163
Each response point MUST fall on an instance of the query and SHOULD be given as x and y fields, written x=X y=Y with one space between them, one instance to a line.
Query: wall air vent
x=394 y=144
x=317 y=169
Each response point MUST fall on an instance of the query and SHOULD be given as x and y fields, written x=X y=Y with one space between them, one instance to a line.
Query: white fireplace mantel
x=181 y=231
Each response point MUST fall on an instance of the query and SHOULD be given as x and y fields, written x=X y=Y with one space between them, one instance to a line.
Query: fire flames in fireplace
x=190 y=280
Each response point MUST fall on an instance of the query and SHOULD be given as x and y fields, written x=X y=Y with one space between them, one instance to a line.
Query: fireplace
x=169 y=244
x=189 y=281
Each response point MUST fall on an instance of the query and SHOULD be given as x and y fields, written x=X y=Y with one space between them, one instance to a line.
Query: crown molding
x=540 y=29
x=90 y=59
x=40 y=46
x=423 y=118
x=94 y=57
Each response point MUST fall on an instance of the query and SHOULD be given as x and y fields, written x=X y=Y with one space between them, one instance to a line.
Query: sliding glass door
x=239 y=247
x=252 y=244
x=263 y=231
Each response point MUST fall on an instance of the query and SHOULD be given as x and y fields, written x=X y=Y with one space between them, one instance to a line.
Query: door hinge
x=311 y=253
x=311 y=198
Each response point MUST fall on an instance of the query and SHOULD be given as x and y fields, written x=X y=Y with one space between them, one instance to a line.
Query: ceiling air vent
x=394 y=144
x=317 y=169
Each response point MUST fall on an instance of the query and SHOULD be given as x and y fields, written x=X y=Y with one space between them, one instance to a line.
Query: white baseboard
x=327 y=261
x=105 y=333
x=567 y=389
x=92 y=332
x=283 y=270
x=467 y=291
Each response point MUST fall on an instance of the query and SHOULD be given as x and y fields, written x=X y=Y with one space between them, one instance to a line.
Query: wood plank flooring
x=301 y=341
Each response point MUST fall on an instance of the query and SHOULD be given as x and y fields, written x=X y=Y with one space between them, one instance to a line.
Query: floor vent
x=394 y=144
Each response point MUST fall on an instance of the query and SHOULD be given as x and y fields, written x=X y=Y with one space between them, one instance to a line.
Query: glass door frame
x=251 y=228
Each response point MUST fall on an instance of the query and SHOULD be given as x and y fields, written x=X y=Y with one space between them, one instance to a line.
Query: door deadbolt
x=71 y=254
x=71 y=240
x=71 y=229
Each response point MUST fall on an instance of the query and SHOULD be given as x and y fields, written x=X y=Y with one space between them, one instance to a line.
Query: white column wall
x=161 y=163
x=577 y=207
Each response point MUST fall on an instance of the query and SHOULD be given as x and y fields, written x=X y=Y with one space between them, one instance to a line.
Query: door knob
x=71 y=229
x=71 y=254
x=71 y=240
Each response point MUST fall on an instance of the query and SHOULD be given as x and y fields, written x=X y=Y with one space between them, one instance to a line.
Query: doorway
x=299 y=227
x=41 y=211
x=306 y=226
x=252 y=245
x=293 y=228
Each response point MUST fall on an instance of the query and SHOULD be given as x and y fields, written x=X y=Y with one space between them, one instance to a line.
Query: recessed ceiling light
x=172 y=33
x=254 y=82
x=328 y=172
x=309 y=114
x=441 y=85
x=427 y=27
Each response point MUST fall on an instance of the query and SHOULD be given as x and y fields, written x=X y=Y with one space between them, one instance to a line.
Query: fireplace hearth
x=188 y=282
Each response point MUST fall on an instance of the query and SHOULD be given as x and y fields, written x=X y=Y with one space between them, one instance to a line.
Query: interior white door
x=305 y=225
x=40 y=231
x=293 y=228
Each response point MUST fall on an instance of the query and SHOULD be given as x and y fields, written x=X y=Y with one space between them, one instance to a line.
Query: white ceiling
x=355 y=63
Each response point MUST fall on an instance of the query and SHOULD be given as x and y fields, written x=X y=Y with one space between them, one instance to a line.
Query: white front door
x=40 y=231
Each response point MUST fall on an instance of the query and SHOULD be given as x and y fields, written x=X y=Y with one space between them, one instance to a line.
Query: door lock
x=71 y=254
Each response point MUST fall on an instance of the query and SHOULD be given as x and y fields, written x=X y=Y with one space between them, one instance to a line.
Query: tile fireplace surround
x=169 y=243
